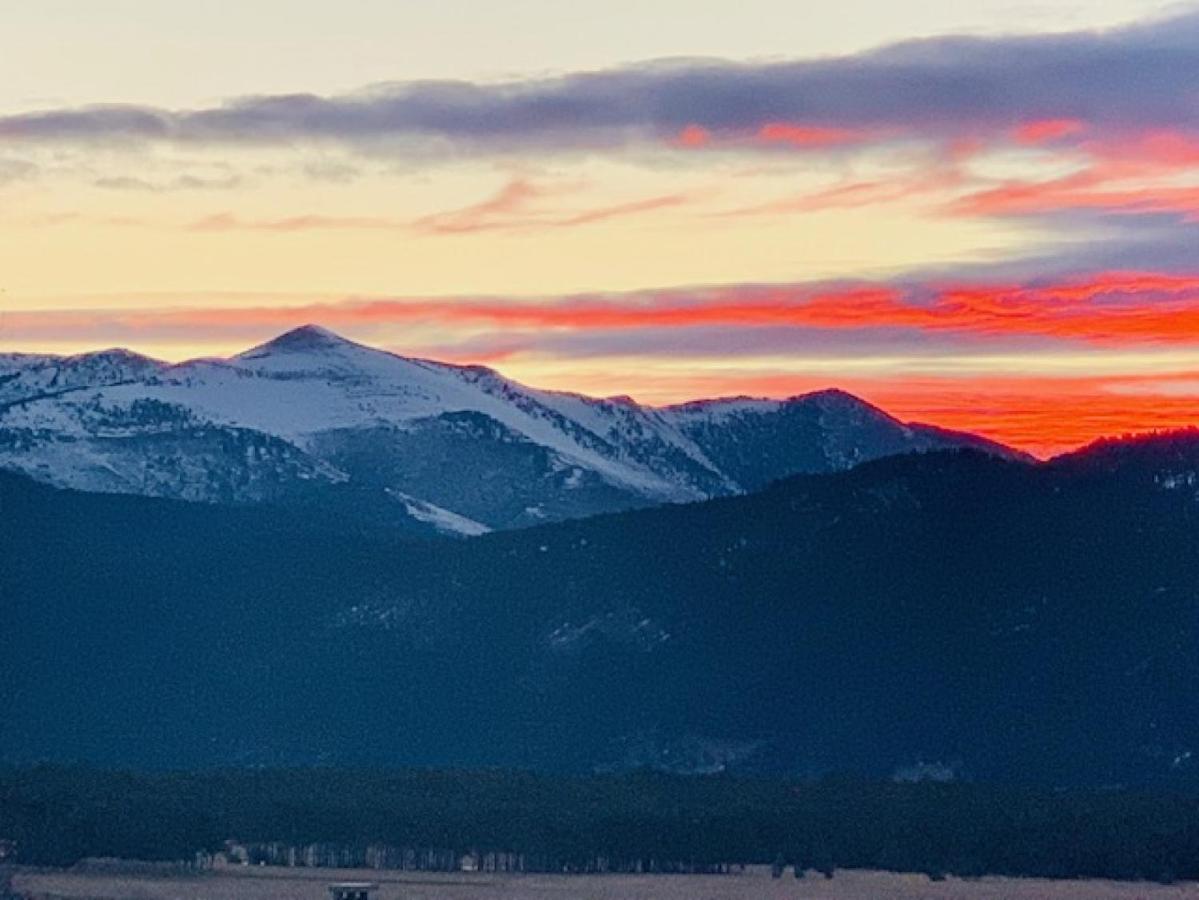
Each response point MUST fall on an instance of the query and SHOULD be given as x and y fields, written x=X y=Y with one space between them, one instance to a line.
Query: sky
x=981 y=215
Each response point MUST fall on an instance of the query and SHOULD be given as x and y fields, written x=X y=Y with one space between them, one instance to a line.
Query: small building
x=351 y=890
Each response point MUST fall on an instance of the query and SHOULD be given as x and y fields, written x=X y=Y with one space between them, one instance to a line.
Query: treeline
x=58 y=816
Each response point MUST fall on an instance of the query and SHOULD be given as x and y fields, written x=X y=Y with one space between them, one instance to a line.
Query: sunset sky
x=982 y=215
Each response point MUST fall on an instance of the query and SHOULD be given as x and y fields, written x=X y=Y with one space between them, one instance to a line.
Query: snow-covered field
x=302 y=884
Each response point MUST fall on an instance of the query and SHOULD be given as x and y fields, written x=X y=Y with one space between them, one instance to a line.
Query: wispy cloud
x=227 y=221
x=496 y=211
x=178 y=183
x=520 y=204
x=12 y=170
x=516 y=207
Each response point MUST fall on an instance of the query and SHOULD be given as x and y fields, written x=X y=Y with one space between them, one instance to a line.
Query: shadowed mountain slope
x=935 y=615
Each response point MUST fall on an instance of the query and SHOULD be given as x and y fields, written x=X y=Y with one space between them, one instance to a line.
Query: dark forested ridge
x=937 y=616
x=641 y=821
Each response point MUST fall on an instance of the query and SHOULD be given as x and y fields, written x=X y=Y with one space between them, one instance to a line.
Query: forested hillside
x=946 y=615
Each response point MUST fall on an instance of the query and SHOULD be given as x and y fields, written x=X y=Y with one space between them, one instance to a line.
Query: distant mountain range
x=313 y=419
x=941 y=615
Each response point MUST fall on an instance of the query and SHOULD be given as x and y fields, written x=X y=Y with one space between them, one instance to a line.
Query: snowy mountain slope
x=310 y=381
x=756 y=441
x=457 y=447
x=26 y=376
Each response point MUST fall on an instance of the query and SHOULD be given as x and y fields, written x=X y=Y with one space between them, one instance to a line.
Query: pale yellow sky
x=278 y=231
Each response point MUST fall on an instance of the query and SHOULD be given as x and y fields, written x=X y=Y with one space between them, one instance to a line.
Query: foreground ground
x=308 y=884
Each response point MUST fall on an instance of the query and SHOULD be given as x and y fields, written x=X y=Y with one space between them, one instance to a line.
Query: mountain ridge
x=486 y=451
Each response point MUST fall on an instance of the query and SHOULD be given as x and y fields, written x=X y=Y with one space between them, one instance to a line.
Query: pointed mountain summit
x=304 y=339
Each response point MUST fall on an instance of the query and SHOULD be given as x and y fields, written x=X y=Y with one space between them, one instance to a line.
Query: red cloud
x=694 y=136
x=800 y=135
x=1068 y=194
x=1124 y=175
x=1157 y=148
x=1043 y=131
x=1106 y=308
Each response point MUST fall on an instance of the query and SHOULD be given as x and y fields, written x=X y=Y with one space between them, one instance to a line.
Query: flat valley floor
x=754 y=884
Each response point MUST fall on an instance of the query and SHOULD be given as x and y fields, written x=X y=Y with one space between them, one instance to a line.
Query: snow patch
x=443 y=520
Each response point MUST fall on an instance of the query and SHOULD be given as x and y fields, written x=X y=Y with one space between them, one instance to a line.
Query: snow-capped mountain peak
x=304 y=339
x=310 y=408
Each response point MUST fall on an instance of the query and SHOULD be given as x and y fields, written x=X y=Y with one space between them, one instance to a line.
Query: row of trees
x=650 y=821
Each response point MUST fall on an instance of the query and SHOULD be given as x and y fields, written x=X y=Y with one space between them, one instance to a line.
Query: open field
x=755 y=883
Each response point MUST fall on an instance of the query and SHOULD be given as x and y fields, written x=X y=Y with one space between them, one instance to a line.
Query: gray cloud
x=179 y=183
x=737 y=342
x=16 y=170
x=333 y=171
x=1138 y=76
x=89 y=123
